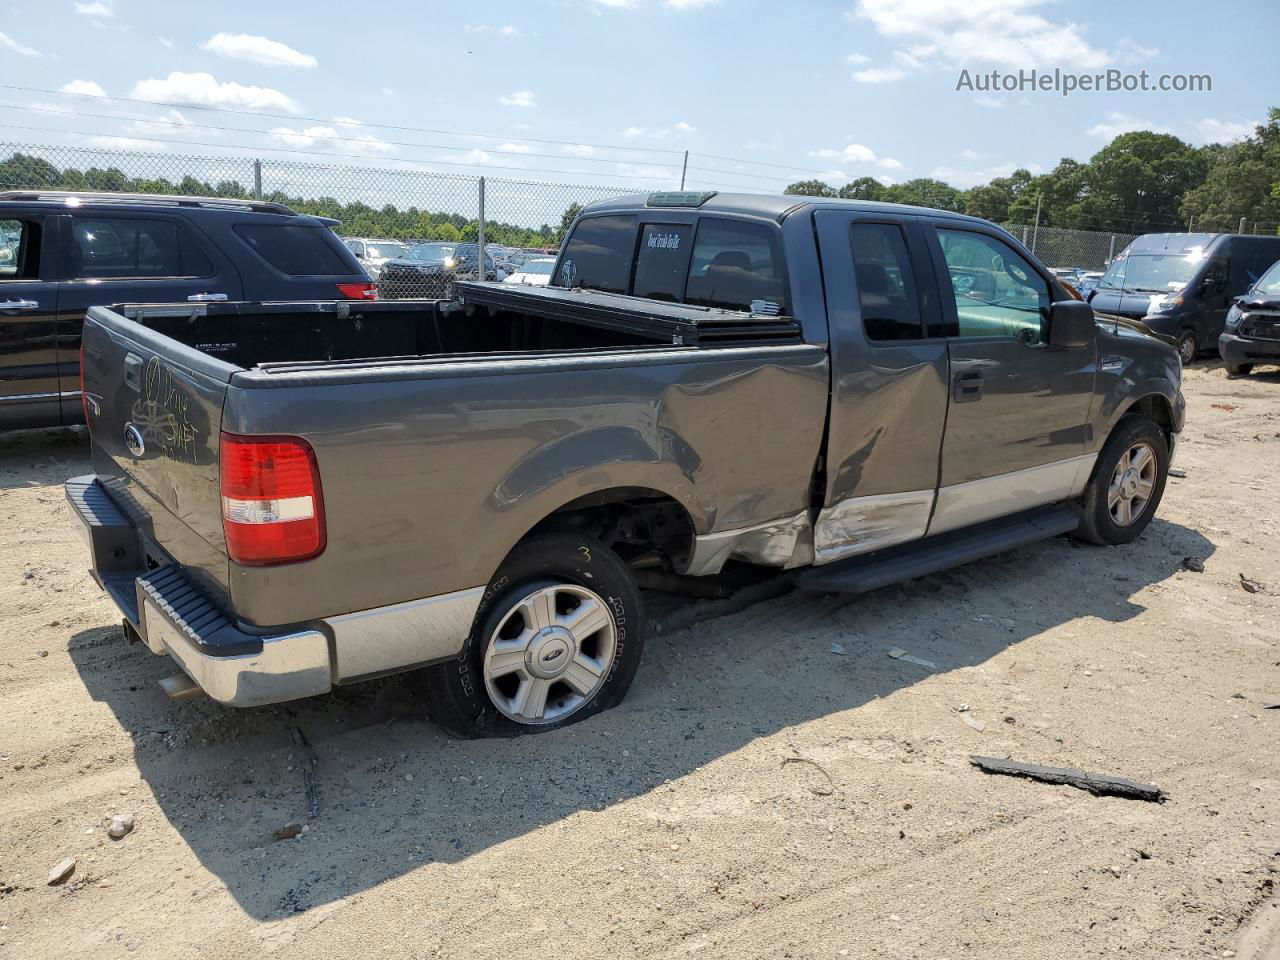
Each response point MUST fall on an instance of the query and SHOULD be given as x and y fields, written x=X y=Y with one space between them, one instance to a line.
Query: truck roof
x=771 y=206
x=1185 y=242
x=72 y=198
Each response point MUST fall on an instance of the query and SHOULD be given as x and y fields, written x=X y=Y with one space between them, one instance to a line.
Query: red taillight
x=359 y=291
x=272 y=511
x=84 y=400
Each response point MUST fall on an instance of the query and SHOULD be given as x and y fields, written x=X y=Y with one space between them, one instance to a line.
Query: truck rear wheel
x=1127 y=484
x=557 y=638
x=1239 y=369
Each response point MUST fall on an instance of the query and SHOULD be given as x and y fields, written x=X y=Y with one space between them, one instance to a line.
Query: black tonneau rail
x=681 y=324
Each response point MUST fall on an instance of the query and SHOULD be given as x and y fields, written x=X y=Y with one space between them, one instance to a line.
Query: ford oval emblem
x=133 y=440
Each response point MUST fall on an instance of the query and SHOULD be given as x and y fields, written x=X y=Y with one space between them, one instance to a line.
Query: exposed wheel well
x=1153 y=407
x=634 y=521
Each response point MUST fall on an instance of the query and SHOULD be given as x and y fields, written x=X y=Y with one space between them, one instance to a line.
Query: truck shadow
x=42 y=458
x=392 y=794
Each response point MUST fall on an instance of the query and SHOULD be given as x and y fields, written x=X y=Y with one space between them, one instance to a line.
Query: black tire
x=1239 y=369
x=1187 y=346
x=458 y=698
x=1097 y=524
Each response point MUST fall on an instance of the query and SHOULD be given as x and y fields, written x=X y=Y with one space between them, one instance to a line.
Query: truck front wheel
x=1127 y=484
x=556 y=639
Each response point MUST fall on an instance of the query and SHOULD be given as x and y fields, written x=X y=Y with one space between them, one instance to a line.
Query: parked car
x=1069 y=275
x=1251 y=332
x=289 y=496
x=1181 y=284
x=372 y=254
x=76 y=250
x=429 y=271
x=1088 y=282
x=535 y=270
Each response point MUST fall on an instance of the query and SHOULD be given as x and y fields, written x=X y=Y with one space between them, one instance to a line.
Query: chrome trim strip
x=786 y=542
x=862 y=524
x=964 y=504
x=24 y=397
x=402 y=634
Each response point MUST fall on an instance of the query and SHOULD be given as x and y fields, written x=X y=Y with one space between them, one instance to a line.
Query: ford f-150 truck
x=290 y=496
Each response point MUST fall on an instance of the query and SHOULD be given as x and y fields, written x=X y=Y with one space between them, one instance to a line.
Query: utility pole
x=480 y=271
x=1242 y=223
x=1035 y=234
x=683 y=168
x=1191 y=224
x=257 y=179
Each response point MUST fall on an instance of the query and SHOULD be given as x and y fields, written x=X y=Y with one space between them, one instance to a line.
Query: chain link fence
x=1060 y=248
x=433 y=222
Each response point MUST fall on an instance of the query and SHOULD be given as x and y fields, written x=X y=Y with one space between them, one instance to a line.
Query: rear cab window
x=296 y=250
x=713 y=262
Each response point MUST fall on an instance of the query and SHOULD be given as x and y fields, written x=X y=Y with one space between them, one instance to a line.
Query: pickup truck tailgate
x=154 y=410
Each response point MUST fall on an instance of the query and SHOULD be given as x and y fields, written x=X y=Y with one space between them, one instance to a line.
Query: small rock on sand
x=62 y=871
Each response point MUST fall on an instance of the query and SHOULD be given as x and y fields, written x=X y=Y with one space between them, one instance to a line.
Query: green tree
x=926 y=192
x=864 y=188
x=810 y=188
x=1243 y=181
x=1136 y=183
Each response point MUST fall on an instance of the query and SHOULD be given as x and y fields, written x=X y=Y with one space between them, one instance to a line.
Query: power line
x=350 y=156
x=297 y=118
x=335 y=138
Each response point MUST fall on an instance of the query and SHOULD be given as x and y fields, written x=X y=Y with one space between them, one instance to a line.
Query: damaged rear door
x=888 y=384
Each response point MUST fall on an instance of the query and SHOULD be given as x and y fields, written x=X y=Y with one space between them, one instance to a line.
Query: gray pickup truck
x=290 y=496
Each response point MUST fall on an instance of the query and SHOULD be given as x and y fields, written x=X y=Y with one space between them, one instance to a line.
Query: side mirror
x=1071 y=324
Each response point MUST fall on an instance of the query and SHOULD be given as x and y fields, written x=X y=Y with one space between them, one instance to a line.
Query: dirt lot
x=672 y=825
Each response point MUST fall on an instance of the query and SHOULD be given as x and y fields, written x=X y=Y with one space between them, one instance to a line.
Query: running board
x=932 y=554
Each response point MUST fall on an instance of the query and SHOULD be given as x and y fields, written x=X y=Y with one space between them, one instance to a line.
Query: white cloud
x=646 y=172
x=521 y=98
x=327 y=138
x=509 y=31
x=615 y=4
x=166 y=124
x=245 y=46
x=1212 y=130
x=1118 y=123
x=8 y=43
x=686 y=127
x=879 y=75
x=857 y=59
x=991 y=103
x=971 y=178
x=98 y=9
x=857 y=153
x=127 y=143
x=688 y=4
x=515 y=148
x=85 y=88
x=969 y=154
x=477 y=156
x=166 y=42
x=1008 y=34
x=202 y=89
x=348 y=121
x=632 y=132
x=579 y=150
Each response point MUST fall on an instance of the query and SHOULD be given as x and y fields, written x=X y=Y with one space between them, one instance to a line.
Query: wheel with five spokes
x=1127 y=484
x=556 y=639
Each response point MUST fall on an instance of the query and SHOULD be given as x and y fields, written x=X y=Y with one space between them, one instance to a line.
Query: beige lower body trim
x=402 y=634
x=964 y=504
x=785 y=543
x=862 y=524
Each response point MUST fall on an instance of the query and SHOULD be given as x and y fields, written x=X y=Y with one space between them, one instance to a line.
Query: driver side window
x=997 y=292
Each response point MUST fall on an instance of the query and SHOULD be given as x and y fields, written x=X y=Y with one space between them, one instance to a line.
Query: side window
x=997 y=292
x=104 y=248
x=19 y=250
x=886 y=286
x=295 y=250
x=734 y=264
x=662 y=261
x=598 y=255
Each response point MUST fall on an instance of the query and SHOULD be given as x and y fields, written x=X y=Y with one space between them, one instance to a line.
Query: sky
x=613 y=92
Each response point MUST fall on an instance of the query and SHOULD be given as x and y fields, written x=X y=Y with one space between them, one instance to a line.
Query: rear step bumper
x=172 y=616
x=934 y=554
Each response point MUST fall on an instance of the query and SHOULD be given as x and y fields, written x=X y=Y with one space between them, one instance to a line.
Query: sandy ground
x=672 y=825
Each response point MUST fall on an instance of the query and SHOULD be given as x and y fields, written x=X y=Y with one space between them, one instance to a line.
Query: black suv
x=429 y=270
x=61 y=253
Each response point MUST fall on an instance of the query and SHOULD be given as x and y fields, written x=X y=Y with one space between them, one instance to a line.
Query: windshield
x=540 y=267
x=385 y=251
x=431 y=251
x=1269 y=285
x=1151 y=272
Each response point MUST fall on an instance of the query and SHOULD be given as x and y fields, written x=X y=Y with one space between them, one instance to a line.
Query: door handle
x=207 y=297
x=19 y=305
x=133 y=371
x=967 y=386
